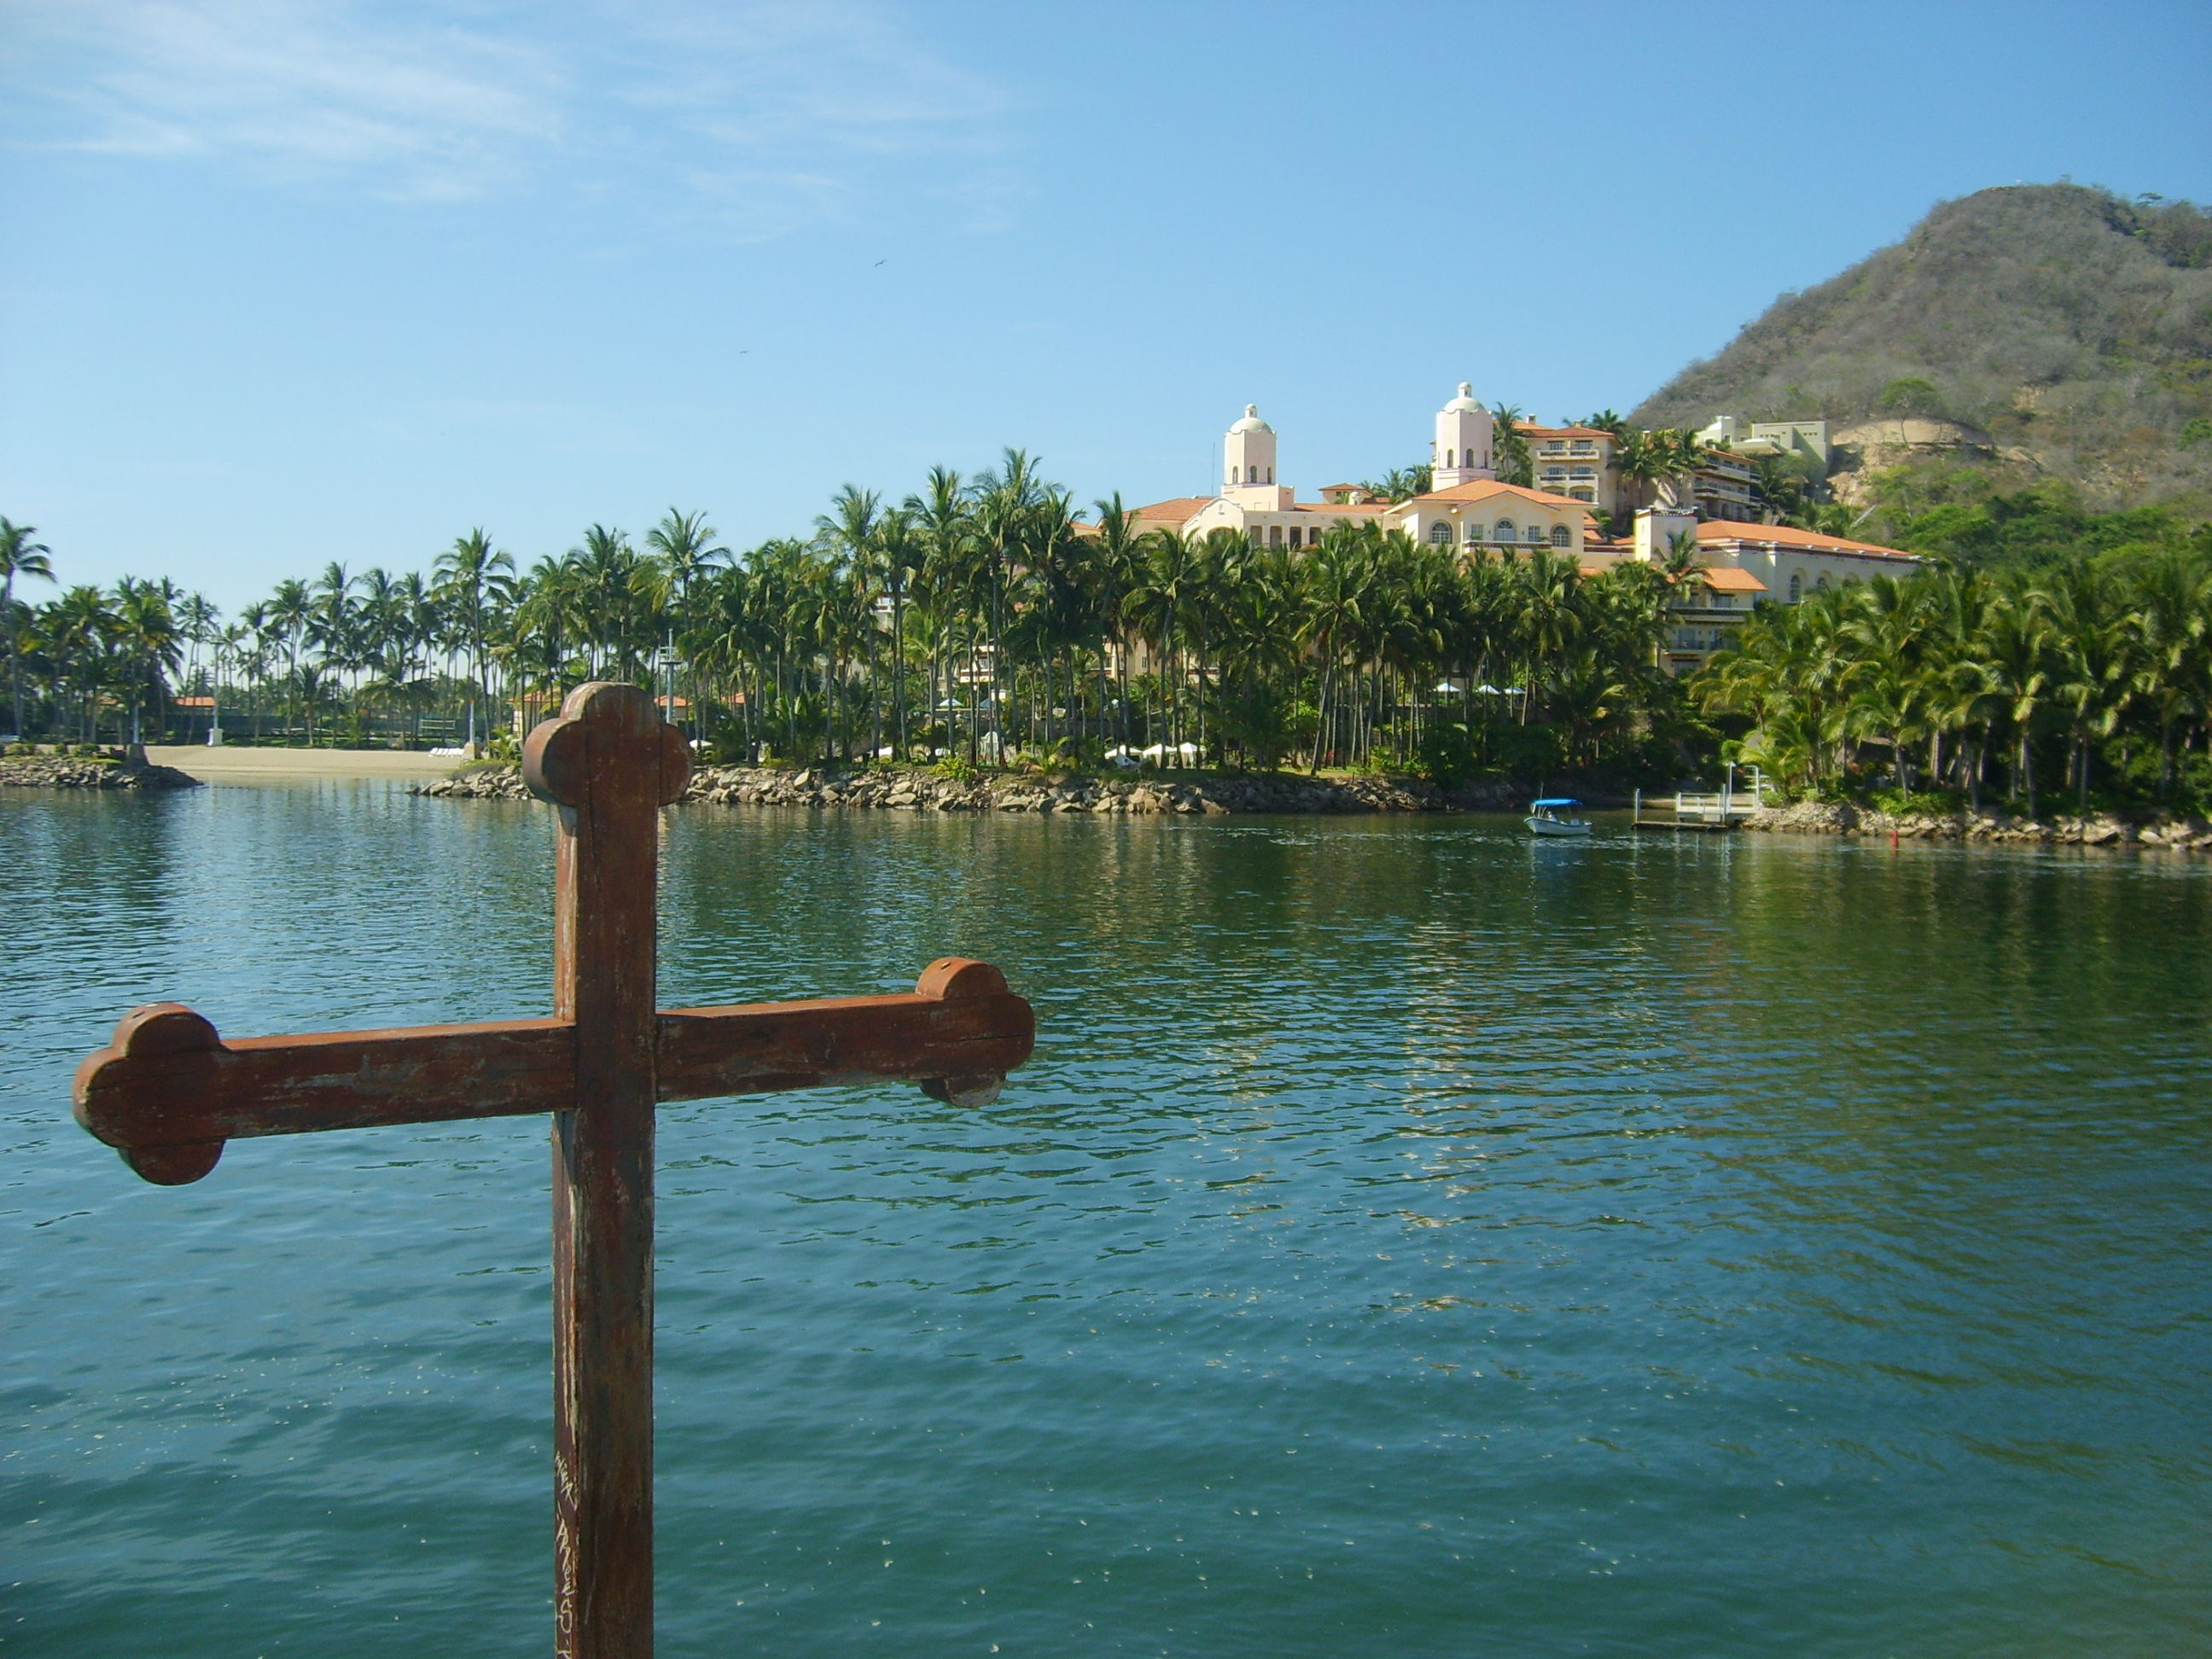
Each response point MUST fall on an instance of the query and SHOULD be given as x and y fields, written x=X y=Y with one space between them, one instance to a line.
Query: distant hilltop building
x=1739 y=562
x=1806 y=438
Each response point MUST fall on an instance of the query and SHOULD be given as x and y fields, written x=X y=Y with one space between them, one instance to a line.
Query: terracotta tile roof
x=1483 y=489
x=1529 y=431
x=1801 y=541
x=1376 y=506
x=1726 y=578
x=1182 y=507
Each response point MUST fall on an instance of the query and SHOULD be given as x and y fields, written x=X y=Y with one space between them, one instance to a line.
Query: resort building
x=1794 y=563
x=1500 y=517
x=1466 y=506
x=1575 y=461
x=1740 y=564
x=1726 y=486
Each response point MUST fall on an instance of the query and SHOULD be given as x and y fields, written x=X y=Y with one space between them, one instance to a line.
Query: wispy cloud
x=766 y=115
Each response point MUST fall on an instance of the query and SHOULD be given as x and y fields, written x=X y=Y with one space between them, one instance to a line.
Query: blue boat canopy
x=1559 y=800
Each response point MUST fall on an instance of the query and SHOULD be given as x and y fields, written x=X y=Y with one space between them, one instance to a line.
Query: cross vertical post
x=609 y=764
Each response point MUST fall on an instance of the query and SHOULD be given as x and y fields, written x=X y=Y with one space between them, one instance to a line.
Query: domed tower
x=1462 y=447
x=1248 y=466
x=1248 y=452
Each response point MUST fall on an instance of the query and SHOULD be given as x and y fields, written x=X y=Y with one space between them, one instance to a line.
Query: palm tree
x=1550 y=621
x=1339 y=586
x=2171 y=617
x=474 y=578
x=1118 y=554
x=682 y=553
x=1653 y=464
x=200 y=623
x=605 y=570
x=1006 y=503
x=19 y=556
x=2094 y=680
x=80 y=631
x=1509 y=446
x=150 y=644
x=1164 y=589
x=944 y=525
x=899 y=552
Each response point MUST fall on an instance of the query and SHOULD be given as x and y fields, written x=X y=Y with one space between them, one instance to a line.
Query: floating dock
x=1698 y=815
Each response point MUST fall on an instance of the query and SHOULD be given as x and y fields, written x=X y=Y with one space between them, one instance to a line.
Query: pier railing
x=1714 y=808
x=1692 y=811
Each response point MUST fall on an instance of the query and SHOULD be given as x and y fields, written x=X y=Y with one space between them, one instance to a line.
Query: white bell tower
x=1248 y=463
x=1248 y=453
x=1461 y=454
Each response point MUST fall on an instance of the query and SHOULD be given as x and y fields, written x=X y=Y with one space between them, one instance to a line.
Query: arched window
x=1448 y=458
x=1560 y=536
x=1251 y=475
x=1271 y=474
x=1504 y=532
x=1823 y=583
x=1796 y=587
x=1440 y=531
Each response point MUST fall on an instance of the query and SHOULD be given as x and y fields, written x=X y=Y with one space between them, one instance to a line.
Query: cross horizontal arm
x=168 y=1090
x=758 y=1048
x=168 y=1079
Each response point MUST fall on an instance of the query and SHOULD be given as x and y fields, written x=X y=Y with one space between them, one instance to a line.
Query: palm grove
x=977 y=619
x=986 y=619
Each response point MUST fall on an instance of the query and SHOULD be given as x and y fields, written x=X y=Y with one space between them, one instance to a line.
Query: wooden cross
x=167 y=1092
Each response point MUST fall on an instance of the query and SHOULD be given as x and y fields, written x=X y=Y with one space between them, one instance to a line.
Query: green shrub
x=958 y=769
x=1918 y=803
x=1450 y=753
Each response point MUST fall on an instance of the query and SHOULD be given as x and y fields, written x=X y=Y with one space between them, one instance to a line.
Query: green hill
x=2034 y=333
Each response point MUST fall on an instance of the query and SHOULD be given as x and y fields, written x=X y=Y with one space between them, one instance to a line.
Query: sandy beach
x=246 y=765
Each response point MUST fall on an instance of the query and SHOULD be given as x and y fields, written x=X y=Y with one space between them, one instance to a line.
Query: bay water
x=1408 y=1240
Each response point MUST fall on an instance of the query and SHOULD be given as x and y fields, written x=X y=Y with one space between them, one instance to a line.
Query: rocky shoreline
x=2186 y=833
x=922 y=791
x=74 y=772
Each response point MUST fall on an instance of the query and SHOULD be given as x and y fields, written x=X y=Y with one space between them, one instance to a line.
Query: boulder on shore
x=76 y=772
x=2184 y=832
x=917 y=790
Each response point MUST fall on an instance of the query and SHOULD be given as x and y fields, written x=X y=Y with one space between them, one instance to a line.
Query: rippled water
x=1408 y=1241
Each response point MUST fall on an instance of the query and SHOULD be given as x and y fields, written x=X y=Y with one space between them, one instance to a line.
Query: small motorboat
x=1555 y=817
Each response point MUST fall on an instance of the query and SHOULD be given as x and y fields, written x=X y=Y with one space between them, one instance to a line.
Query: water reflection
x=1407 y=1236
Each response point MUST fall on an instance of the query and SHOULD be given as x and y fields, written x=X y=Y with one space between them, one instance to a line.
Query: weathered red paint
x=168 y=1091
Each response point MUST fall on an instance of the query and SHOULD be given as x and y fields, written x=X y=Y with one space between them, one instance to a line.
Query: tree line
x=977 y=618
x=985 y=619
x=2089 y=676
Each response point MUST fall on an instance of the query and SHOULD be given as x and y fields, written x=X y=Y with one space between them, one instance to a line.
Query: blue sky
x=290 y=281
